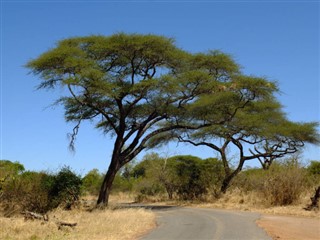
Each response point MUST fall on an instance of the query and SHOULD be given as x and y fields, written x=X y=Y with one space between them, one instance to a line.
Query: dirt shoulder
x=290 y=228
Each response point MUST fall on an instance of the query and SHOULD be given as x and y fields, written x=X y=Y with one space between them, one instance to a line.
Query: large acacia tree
x=130 y=86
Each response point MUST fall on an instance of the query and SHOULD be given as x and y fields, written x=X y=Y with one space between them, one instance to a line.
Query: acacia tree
x=242 y=116
x=258 y=131
x=130 y=86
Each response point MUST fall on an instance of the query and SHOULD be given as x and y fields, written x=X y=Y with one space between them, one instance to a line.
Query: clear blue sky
x=279 y=40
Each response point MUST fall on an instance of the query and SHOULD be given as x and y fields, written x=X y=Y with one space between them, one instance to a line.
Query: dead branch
x=65 y=224
x=32 y=216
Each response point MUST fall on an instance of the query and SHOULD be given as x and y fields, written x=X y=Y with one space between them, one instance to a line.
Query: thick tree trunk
x=107 y=183
x=225 y=184
x=314 y=201
x=227 y=180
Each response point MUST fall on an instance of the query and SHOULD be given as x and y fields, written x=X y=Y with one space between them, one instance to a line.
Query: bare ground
x=291 y=228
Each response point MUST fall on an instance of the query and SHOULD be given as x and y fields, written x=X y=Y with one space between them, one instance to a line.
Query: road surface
x=175 y=223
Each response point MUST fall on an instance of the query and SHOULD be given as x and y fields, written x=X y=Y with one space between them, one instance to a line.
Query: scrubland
x=285 y=189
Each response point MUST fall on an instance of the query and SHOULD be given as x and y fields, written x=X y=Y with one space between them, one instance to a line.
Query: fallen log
x=32 y=215
x=66 y=224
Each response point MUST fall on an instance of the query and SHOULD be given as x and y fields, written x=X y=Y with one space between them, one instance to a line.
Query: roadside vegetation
x=67 y=197
x=183 y=178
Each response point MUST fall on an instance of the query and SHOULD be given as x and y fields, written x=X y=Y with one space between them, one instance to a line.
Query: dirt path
x=291 y=228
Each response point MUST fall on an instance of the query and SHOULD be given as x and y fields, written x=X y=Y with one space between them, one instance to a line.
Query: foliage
x=29 y=191
x=91 y=182
x=148 y=175
x=282 y=184
x=66 y=189
x=10 y=168
x=314 y=168
x=186 y=177
x=196 y=177
x=41 y=191
x=8 y=171
x=122 y=183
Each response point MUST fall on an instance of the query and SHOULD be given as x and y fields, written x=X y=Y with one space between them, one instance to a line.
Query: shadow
x=152 y=207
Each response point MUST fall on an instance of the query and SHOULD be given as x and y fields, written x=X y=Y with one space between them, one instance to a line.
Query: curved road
x=197 y=223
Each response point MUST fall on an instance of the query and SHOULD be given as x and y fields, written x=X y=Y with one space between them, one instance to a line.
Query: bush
x=122 y=184
x=281 y=185
x=314 y=168
x=28 y=191
x=40 y=191
x=284 y=184
x=66 y=189
x=185 y=177
x=91 y=182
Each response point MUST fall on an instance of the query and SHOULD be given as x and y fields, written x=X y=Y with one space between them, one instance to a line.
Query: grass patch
x=98 y=224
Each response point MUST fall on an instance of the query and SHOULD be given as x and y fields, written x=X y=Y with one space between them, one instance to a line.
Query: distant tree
x=149 y=174
x=10 y=168
x=185 y=176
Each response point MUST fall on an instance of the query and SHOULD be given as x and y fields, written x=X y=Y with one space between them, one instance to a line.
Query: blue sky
x=279 y=40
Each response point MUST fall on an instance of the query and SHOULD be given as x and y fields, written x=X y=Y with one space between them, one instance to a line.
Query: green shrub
x=185 y=177
x=314 y=169
x=28 y=191
x=66 y=189
x=122 y=184
x=40 y=191
x=92 y=181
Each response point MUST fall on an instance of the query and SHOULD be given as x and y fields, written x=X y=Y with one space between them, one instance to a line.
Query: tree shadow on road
x=153 y=207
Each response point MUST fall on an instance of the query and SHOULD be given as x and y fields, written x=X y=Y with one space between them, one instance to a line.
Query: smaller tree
x=148 y=175
x=187 y=177
x=258 y=131
x=8 y=168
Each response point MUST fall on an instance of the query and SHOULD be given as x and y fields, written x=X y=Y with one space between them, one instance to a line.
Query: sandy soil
x=291 y=228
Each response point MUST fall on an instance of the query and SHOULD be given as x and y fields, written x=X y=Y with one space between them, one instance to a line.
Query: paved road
x=197 y=223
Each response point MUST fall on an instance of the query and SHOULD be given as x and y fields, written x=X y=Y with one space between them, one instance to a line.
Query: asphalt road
x=197 y=223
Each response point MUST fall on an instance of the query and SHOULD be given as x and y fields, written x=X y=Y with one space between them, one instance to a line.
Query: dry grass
x=237 y=200
x=121 y=197
x=98 y=224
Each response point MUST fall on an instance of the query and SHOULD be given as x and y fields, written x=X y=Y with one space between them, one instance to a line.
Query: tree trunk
x=314 y=201
x=227 y=180
x=225 y=184
x=107 y=183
